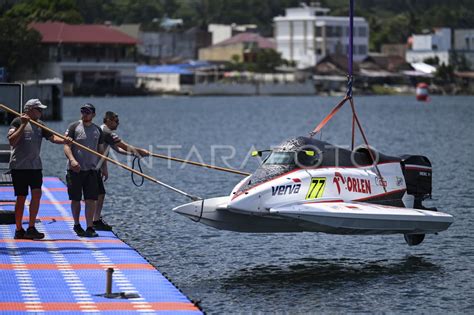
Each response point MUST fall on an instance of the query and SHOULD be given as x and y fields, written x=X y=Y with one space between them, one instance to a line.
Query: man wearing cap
x=111 y=140
x=82 y=175
x=25 y=164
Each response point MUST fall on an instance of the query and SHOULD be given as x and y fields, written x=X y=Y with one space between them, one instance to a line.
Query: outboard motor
x=417 y=171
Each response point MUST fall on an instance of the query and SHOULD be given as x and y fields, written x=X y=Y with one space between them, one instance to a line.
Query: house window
x=329 y=31
x=434 y=47
x=333 y=31
x=362 y=50
x=319 y=31
x=362 y=31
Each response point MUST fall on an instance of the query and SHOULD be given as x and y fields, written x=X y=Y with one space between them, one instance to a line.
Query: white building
x=437 y=44
x=464 y=45
x=307 y=34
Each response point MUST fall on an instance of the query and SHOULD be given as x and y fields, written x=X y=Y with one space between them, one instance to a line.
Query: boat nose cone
x=191 y=210
x=246 y=202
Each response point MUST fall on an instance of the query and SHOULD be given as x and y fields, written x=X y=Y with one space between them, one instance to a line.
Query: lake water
x=289 y=273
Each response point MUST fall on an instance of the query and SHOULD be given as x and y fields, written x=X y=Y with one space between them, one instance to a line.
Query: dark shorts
x=22 y=179
x=82 y=182
x=100 y=183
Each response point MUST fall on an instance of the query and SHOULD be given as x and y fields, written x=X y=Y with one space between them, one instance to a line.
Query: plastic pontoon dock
x=64 y=272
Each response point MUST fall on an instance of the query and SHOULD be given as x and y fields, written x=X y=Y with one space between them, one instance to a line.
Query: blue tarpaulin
x=185 y=68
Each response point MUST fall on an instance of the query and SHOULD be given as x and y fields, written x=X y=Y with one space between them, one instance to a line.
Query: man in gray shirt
x=112 y=140
x=82 y=172
x=25 y=164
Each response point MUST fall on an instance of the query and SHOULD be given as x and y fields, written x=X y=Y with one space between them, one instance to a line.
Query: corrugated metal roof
x=262 y=42
x=58 y=32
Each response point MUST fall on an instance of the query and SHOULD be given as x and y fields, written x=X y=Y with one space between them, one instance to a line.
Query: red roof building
x=58 y=32
x=89 y=58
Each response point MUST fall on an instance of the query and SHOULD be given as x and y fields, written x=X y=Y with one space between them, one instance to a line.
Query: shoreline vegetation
x=390 y=23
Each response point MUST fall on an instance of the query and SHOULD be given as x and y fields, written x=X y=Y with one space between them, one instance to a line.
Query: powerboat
x=308 y=185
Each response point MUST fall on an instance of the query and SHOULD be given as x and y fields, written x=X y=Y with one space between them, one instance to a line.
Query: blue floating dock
x=64 y=272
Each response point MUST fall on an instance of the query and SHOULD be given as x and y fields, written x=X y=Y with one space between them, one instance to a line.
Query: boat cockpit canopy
x=302 y=158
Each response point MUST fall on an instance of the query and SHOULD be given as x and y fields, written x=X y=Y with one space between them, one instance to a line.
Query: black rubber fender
x=7 y=217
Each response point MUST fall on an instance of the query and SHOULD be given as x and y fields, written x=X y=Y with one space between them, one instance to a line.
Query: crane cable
x=349 y=97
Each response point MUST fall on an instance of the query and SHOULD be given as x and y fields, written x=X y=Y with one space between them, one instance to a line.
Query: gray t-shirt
x=110 y=138
x=25 y=155
x=110 y=141
x=89 y=136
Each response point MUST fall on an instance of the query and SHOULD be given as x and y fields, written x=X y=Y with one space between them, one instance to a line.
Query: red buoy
x=422 y=92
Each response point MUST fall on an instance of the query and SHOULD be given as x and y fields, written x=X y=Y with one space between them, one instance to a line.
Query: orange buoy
x=422 y=92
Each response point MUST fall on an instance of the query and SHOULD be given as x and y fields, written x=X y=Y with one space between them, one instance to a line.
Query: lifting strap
x=328 y=117
x=348 y=97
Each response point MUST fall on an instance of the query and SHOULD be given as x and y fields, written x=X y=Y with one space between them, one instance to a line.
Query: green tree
x=394 y=21
x=235 y=58
x=20 y=47
x=92 y=11
x=169 y=7
x=445 y=73
x=132 y=11
x=6 y=5
x=262 y=60
x=434 y=61
x=261 y=13
x=460 y=62
x=46 y=10
x=267 y=60
x=390 y=31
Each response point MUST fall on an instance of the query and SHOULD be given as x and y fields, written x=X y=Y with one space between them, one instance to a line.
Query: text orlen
x=352 y=184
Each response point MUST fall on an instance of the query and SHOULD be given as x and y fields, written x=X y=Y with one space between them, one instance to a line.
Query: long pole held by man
x=25 y=164
x=82 y=175
x=111 y=140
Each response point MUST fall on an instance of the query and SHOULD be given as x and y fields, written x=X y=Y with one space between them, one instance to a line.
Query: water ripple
x=291 y=273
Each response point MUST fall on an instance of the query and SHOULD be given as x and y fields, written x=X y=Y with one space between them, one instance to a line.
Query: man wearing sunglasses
x=111 y=140
x=82 y=175
x=25 y=164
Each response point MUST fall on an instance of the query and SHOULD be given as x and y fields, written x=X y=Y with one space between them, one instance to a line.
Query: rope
x=200 y=215
x=354 y=115
x=136 y=158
